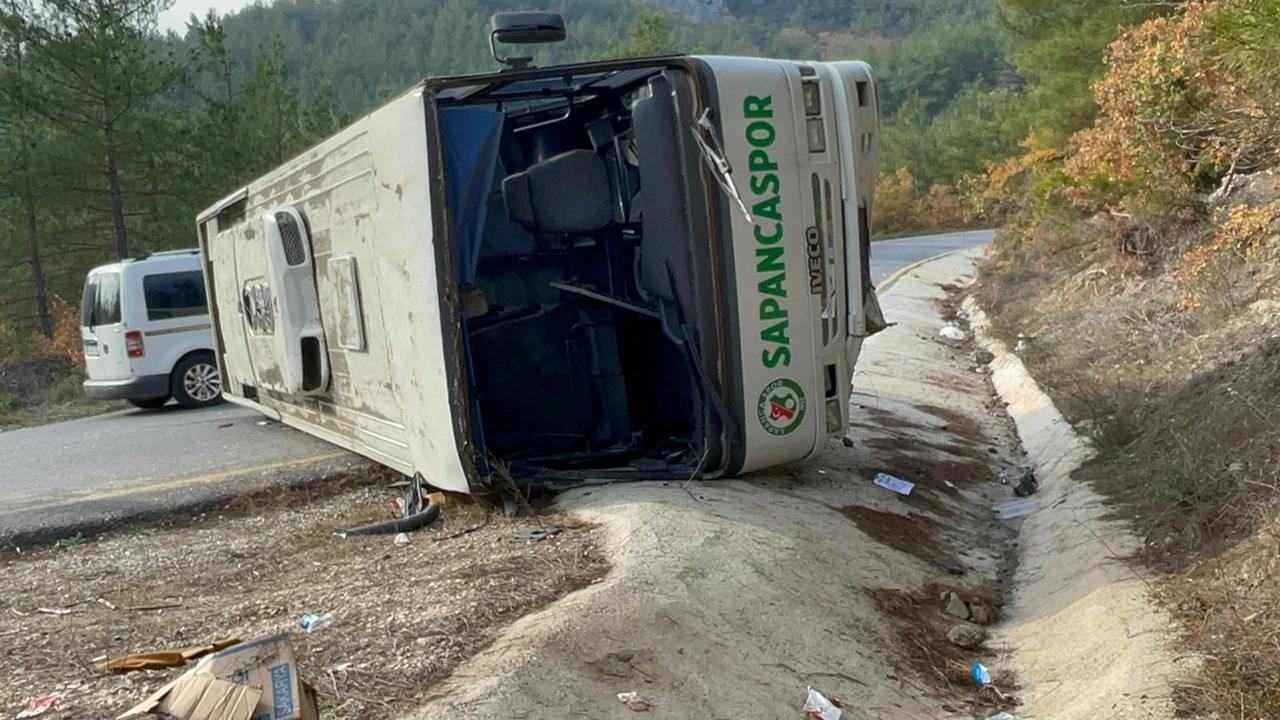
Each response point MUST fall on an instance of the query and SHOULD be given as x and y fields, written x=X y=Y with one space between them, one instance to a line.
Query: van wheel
x=149 y=403
x=196 y=382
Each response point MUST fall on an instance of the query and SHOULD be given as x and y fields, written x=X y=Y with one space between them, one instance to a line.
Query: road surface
x=890 y=256
x=93 y=474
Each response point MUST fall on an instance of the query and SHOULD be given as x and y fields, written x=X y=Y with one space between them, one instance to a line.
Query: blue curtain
x=470 y=139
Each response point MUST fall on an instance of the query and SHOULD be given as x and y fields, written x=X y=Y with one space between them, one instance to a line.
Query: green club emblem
x=781 y=407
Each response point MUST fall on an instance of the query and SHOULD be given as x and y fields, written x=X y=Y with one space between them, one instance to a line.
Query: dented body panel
x=366 y=197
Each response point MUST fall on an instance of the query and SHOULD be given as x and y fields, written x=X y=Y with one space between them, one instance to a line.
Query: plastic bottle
x=311 y=622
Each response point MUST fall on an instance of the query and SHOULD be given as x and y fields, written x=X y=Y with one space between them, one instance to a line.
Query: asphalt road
x=890 y=256
x=93 y=474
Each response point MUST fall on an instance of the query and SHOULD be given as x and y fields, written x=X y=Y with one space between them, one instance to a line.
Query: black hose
x=410 y=523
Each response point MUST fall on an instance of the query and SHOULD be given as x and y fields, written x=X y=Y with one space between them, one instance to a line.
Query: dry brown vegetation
x=1182 y=400
x=403 y=617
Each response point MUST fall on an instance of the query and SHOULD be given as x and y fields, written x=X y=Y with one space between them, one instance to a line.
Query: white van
x=146 y=331
x=641 y=268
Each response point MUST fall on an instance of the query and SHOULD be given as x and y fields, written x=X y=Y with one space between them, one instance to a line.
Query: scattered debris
x=1002 y=716
x=1023 y=347
x=227 y=686
x=633 y=701
x=198 y=651
x=55 y=611
x=263 y=422
x=952 y=333
x=312 y=622
x=949 y=565
x=535 y=535
x=820 y=707
x=417 y=508
x=955 y=606
x=401 y=540
x=967 y=635
x=980 y=674
x=154 y=607
x=342 y=667
x=1027 y=485
x=1017 y=508
x=224 y=426
x=155 y=660
x=898 y=485
x=950 y=484
x=40 y=705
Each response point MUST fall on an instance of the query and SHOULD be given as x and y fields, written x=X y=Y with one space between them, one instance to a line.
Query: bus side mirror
x=523 y=28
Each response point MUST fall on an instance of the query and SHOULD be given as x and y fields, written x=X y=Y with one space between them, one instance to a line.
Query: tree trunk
x=37 y=268
x=117 y=202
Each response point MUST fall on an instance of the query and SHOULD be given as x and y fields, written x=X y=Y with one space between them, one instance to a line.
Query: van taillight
x=133 y=344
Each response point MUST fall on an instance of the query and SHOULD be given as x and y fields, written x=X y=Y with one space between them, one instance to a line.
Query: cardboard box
x=221 y=685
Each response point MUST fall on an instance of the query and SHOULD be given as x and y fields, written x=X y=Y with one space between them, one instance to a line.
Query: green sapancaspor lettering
x=770 y=239
x=771 y=266
x=769 y=260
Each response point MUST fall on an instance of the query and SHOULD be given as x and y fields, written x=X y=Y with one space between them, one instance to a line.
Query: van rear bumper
x=136 y=388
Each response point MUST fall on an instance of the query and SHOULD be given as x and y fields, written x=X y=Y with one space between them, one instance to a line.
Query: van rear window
x=175 y=295
x=101 y=302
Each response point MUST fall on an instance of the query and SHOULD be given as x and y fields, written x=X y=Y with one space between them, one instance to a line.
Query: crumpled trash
x=633 y=701
x=1002 y=716
x=312 y=622
x=38 y=706
x=1027 y=485
x=952 y=333
x=980 y=674
x=402 y=540
x=821 y=707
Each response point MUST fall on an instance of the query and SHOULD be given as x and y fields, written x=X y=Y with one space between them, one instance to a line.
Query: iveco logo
x=817 y=271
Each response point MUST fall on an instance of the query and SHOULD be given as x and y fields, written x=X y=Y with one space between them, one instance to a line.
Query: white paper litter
x=898 y=485
x=818 y=706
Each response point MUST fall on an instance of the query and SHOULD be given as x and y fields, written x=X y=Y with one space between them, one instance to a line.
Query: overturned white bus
x=644 y=268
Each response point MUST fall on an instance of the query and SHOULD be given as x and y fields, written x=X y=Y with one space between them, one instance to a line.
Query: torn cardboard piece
x=266 y=665
x=198 y=651
x=163 y=659
x=158 y=660
x=200 y=697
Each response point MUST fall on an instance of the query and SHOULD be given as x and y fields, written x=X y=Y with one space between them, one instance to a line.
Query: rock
x=956 y=606
x=984 y=357
x=984 y=614
x=966 y=635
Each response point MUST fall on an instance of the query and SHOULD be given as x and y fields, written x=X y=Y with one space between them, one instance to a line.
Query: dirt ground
x=403 y=617
x=728 y=599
